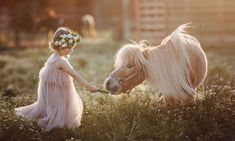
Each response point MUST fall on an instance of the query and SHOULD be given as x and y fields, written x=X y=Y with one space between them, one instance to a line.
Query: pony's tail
x=181 y=30
x=179 y=41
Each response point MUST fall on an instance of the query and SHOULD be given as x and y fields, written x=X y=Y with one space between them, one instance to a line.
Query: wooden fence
x=213 y=21
x=4 y=20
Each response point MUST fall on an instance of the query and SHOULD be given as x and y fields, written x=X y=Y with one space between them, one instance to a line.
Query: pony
x=88 y=26
x=176 y=67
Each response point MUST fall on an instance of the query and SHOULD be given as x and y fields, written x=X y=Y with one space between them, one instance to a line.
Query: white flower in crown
x=56 y=43
x=63 y=40
x=63 y=36
x=64 y=45
x=76 y=37
x=70 y=36
x=60 y=43
x=70 y=41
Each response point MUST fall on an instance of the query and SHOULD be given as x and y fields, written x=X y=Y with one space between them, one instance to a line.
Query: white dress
x=58 y=104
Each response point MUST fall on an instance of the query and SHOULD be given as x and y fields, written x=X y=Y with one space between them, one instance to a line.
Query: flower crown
x=67 y=40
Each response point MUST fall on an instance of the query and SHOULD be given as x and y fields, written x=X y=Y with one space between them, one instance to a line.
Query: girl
x=58 y=104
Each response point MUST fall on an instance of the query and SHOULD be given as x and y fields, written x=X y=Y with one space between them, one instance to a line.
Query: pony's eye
x=129 y=66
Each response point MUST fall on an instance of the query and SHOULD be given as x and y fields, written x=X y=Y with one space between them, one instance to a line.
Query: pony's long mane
x=130 y=52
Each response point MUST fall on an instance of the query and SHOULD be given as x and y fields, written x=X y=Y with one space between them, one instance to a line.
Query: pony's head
x=130 y=63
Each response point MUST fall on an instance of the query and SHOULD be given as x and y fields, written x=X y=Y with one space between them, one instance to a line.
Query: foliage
x=138 y=116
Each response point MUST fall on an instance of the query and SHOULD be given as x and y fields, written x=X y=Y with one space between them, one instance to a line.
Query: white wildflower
x=70 y=36
x=76 y=37
x=63 y=40
x=64 y=45
x=60 y=43
x=56 y=43
x=64 y=36
x=70 y=41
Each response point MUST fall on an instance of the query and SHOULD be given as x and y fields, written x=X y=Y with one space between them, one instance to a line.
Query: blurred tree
x=22 y=13
x=48 y=22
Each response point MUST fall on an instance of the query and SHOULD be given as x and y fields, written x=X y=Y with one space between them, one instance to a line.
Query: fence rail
x=213 y=20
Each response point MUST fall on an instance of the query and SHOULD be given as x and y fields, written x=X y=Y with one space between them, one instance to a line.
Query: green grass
x=137 y=116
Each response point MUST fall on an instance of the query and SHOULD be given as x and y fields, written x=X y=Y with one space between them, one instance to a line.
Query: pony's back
x=179 y=65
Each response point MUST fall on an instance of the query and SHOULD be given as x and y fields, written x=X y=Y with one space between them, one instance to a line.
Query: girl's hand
x=93 y=89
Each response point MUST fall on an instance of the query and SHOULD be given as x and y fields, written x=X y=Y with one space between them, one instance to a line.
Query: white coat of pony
x=176 y=67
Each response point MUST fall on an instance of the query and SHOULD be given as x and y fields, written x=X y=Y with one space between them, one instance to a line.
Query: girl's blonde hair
x=60 y=31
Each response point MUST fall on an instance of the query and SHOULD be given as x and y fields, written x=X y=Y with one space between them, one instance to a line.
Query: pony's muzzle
x=112 y=85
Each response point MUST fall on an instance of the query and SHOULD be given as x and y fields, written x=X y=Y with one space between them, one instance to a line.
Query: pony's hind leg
x=170 y=100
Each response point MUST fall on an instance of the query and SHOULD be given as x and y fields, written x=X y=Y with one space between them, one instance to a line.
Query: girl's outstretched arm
x=67 y=67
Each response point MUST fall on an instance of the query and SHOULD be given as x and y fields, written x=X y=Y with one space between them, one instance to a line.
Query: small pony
x=176 y=67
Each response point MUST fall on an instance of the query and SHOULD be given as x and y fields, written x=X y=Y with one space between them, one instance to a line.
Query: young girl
x=58 y=104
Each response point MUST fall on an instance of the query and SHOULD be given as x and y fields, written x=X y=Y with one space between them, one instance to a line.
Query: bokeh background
x=27 y=21
x=26 y=27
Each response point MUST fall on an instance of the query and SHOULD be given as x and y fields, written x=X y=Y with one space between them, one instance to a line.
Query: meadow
x=138 y=116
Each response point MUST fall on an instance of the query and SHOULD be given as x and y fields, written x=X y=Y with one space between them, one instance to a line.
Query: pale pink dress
x=58 y=104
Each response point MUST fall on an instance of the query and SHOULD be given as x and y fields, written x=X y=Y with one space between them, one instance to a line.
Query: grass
x=137 y=116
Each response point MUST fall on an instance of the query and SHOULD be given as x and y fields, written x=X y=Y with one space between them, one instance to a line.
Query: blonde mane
x=130 y=52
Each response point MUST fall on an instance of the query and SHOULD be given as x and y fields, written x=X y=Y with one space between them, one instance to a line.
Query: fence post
x=126 y=22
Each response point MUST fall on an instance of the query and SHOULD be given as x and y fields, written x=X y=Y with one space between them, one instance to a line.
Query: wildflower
x=64 y=45
x=76 y=37
x=64 y=36
x=63 y=40
x=70 y=41
x=60 y=43
x=70 y=36
x=56 y=43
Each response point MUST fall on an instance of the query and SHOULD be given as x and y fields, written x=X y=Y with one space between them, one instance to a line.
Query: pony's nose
x=107 y=84
x=110 y=85
x=114 y=89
